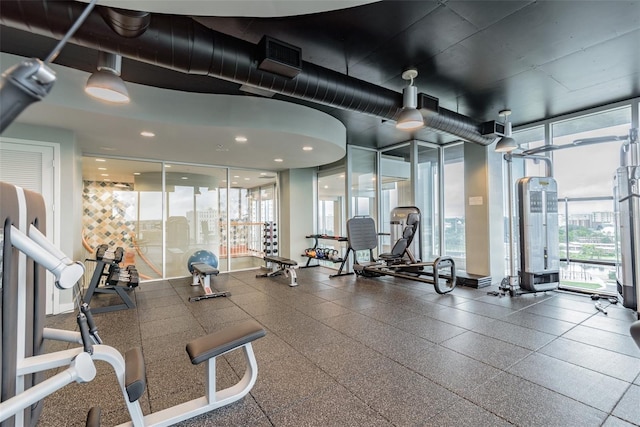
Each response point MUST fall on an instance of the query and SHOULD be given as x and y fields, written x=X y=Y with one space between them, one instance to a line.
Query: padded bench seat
x=212 y=345
x=282 y=265
x=204 y=269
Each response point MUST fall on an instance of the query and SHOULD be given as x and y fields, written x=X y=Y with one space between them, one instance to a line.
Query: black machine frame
x=400 y=262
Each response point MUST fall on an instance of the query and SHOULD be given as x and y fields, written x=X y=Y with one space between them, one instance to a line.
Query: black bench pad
x=134 y=374
x=212 y=345
x=205 y=269
x=280 y=260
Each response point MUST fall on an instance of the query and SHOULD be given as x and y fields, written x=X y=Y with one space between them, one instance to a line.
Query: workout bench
x=280 y=265
x=202 y=277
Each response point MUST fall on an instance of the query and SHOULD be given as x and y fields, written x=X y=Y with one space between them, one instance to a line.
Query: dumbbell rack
x=107 y=273
x=270 y=239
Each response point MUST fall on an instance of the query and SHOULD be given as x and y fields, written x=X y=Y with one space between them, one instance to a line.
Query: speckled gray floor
x=350 y=351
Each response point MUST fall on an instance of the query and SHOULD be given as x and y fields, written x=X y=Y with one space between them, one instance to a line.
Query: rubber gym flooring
x=351 y=351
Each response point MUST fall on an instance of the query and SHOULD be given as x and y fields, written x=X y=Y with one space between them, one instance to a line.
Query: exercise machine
x=537 y=201
x=401 y=261
x=202 y=273
x=280 y=265
x=26 y=253
x=627 y=199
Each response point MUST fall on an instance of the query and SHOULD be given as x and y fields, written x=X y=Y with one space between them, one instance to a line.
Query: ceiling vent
x=279 y=57
x=492 y=129
x=426 y=102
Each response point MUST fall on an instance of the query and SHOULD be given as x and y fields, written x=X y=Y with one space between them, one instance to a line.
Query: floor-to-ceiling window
x=585 y=154
x=427 y=188
x=584 y=172
x=395 y=188
x=363 y=182
x=192 y=215
x=454 y=203
x=363 y=191
x=251 y=204
x=331 y=206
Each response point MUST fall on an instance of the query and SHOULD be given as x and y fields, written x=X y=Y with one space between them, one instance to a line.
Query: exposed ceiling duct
x=180 y=43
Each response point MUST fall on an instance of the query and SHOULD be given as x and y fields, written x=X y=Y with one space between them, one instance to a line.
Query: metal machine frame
x=401 y=262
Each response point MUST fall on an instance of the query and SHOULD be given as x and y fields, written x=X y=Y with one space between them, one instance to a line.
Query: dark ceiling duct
x=180 y=43
x=127 y=23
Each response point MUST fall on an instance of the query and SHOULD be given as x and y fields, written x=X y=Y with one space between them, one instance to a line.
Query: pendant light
x=410 y=118
x=106 y=84
x=506 y=144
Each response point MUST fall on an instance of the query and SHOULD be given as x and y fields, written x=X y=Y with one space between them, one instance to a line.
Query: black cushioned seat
x=280 y=260
x=212 y=345
x=205 y=269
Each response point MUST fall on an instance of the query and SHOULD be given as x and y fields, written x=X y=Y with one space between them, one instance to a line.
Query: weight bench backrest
x=362 y=234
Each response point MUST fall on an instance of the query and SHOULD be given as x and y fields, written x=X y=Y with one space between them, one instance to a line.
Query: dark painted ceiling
x=540 y=59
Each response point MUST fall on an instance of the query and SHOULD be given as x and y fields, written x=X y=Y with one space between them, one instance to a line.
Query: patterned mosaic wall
x=109 y=210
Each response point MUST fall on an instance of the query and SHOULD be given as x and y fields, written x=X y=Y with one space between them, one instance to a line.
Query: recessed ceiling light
x=106 y=180
x=107 y=148
x=234 y=183
x=102 y=169
x=224 y=180
x=278 y=160
x=100 y=160
x=247 y=179
x=184 y=177
x=342 y=176
x=167 y=166
x=236 y=176
x=241 y=138
x=326 y=186
x=104 y=174
x=307 y=148
x=136 y=173
x=263 y=173
x=147 y=134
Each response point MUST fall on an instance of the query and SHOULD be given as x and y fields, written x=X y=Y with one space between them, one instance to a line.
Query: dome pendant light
x=410 y=118
x=506 y=144
x=106 y=84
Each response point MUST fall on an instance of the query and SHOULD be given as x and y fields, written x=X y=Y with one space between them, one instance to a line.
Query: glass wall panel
x=193 y=215
x=363 y=182
x=584 y=169
x=331 y=207
x=363 y=185
x=331 y=211
x=122 y=207
x=427 y=199
x=396 y=188
x=252 y=203
x=454 y=204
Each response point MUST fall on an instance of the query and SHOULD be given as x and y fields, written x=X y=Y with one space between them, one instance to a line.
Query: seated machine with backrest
x=26 y=253
x=400 y=262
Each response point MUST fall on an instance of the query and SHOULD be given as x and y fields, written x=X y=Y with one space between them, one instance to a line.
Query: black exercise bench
x=280 y=265
x=201 y=277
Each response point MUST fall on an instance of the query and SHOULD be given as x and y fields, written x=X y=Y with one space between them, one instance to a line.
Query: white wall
x=69 y=194
x=296 y=212
x=484 y=234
